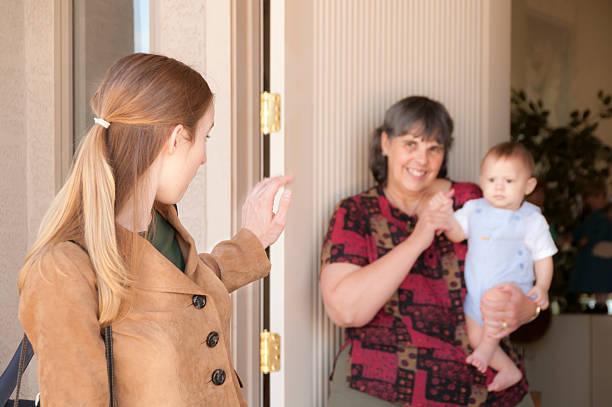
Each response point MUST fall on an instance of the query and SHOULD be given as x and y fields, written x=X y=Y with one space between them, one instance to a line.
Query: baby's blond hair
x=511 y=149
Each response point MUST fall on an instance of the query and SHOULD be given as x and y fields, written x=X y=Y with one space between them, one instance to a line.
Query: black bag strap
x=11 y=377
x=108 y=346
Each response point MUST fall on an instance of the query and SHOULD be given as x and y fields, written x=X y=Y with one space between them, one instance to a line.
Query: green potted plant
x=567 y=157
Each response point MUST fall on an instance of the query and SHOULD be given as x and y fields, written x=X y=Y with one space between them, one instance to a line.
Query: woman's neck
x=407 y=201
x=137 y=219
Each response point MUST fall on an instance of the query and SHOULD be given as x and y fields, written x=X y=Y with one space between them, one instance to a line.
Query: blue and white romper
x=503 y=245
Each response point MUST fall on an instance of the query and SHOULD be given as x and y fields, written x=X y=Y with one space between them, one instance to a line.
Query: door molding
x=62 y=88
x=246 y=159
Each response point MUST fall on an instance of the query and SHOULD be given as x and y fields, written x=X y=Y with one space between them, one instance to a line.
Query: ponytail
x=85 y=207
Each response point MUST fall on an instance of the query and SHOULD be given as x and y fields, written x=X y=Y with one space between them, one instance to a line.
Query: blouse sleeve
x=346 y=240
x=465 y=191
x=58 y=311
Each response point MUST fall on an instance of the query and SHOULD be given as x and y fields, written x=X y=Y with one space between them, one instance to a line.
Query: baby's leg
x=507 y=372
x=484 y=346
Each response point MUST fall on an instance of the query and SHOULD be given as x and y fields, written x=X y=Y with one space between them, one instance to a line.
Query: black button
x=199 y=301
x=218 y=377
x=212 y=339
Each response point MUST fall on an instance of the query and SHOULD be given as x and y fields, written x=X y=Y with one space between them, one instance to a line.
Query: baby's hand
x=442 y=202
x=539 y=295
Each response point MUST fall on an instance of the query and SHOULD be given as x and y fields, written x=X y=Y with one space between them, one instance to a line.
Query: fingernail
x=533 y=297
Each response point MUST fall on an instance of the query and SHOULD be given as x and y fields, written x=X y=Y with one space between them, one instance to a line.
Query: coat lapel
x=154 y=272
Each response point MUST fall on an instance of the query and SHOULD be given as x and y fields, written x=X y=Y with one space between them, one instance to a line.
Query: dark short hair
x=512 y=149
x=418 y=115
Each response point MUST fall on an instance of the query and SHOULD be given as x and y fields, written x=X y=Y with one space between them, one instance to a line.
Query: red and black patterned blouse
x=413 y=352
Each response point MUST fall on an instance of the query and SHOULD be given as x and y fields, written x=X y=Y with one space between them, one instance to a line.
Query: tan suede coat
x=161 y=354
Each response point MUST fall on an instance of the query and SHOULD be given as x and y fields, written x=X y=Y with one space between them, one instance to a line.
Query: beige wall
x=573 y=56
x=28 y=142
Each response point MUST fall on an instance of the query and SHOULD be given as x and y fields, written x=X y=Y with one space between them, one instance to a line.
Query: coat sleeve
x=58 y=311
x=238 y=261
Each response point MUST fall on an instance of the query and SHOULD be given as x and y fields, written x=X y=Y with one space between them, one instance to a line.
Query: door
x=337 y=66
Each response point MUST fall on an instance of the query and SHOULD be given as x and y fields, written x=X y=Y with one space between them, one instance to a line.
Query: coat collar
x=153 y=271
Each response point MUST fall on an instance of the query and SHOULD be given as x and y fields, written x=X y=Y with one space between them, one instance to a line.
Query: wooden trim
x=63 y=86
x=246 y=171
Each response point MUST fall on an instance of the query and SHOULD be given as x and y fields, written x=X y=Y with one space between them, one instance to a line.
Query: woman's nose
x=421 y=156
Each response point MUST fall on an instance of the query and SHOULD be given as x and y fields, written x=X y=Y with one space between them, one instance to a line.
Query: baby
x=508 y=240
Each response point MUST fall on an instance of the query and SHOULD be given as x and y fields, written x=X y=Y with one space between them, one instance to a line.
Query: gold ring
x=504 y=325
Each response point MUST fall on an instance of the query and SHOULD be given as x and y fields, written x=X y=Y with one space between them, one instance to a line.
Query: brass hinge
x=269 y=113
x=269 y=352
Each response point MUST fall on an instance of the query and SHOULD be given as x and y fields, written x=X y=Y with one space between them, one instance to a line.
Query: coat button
x=212 y=339
x=199 y=301
x=218 y=377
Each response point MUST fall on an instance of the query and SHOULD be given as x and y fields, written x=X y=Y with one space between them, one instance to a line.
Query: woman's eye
x=436 y=149
x=410 y=144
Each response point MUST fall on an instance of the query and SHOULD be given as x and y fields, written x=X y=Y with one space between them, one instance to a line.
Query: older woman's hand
x=257 y=211
x=433 y=218
x=504 y=308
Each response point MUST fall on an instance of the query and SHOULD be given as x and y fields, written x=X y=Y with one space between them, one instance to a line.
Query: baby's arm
x=442 y=202
x=455 y=232
x=542 y=247
x=543 y=272
x=457 y=221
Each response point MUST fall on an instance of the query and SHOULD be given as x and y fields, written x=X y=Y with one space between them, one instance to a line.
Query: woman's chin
x=416 y=183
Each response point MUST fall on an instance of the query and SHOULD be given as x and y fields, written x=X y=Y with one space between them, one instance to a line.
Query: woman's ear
x=172 y=141
x=384 y=143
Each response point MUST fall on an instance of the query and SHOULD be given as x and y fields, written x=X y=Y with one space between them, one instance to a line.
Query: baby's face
x=505 y=182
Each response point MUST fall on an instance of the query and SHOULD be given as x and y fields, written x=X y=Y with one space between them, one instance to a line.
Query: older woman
x=397 y=285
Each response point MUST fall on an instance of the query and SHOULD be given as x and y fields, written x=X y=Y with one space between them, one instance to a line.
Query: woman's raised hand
x=257 y=211
x=433 y=218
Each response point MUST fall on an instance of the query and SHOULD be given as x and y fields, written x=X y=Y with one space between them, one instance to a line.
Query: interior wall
x=562 y=53
x=13 y=150
x=28 y=119
x=339 y=65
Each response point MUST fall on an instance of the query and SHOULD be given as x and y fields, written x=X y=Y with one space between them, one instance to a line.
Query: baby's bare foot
x=481 y=357
x=505 y=378
x=478 y=361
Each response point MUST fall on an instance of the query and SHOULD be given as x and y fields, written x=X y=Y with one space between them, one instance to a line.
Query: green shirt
x=162 y=236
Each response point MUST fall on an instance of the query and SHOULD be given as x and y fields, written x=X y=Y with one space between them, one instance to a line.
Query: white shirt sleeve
x=538 y=238
x=463 y=215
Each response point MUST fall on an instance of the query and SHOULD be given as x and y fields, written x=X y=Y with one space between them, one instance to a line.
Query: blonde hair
x=143 y=96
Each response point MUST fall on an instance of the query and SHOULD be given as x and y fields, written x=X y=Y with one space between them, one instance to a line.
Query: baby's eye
x=509 y=181
x=491 y=179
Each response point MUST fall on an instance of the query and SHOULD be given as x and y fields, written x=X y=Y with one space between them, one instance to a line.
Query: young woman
x=111 y=251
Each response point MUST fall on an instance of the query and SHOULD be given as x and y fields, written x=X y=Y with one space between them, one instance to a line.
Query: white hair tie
x=101 y=122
